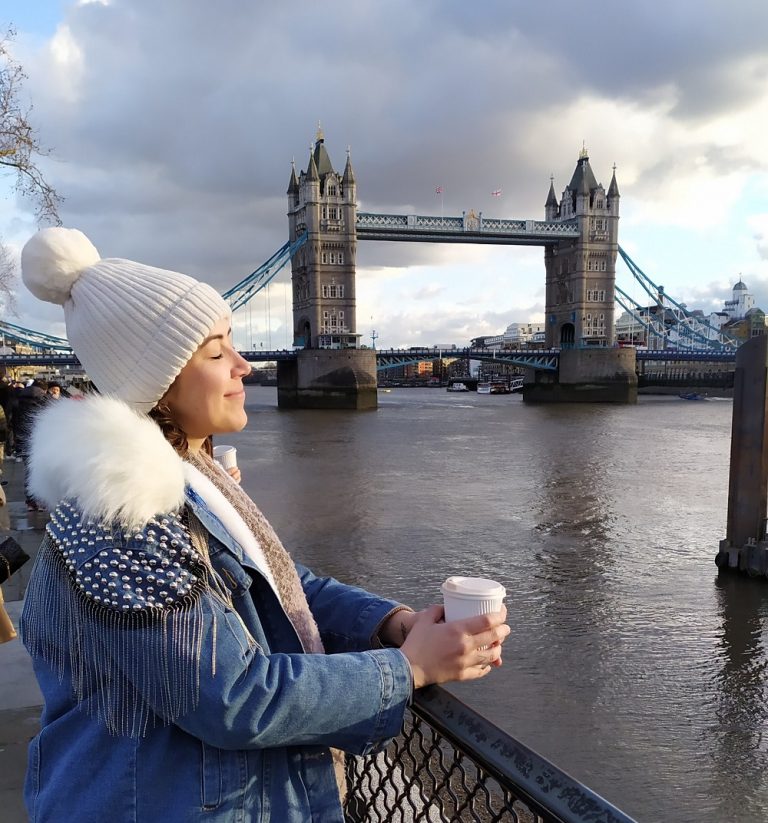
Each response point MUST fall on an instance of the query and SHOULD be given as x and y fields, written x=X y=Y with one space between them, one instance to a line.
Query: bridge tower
x=330 y=371
x=322 y=203
x=581 y=273
x=580 y=285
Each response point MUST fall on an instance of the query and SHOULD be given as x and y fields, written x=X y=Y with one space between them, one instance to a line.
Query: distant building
x=523 y=335
x=488 y=341
x=662 y=326
x=741 y=302
x=422 y=369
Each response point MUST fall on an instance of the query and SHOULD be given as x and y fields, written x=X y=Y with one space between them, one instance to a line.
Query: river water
x=631 y=664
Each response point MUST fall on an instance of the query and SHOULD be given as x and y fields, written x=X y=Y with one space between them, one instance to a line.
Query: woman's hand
x=234 y=473
x=460 y=650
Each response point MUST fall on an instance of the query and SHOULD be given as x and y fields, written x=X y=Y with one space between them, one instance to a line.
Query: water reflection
x=574 y=514
x=741 y=710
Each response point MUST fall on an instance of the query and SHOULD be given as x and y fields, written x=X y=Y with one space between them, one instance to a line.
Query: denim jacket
x=202 y=707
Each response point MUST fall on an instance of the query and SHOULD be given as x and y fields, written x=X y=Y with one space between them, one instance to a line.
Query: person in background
x=30 y=400
x=191 y=669
x=54 y=391
x=8 y=401
x=3 y=433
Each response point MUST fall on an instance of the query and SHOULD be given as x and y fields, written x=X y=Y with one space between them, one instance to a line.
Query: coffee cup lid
x=473 y=587
x=222 y=449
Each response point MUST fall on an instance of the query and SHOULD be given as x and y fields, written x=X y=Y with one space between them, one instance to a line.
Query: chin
x=238 y=423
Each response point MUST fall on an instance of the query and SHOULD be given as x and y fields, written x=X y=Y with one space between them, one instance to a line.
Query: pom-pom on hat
x=133 y=327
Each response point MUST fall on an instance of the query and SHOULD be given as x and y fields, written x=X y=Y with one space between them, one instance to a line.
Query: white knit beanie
x=133 y=327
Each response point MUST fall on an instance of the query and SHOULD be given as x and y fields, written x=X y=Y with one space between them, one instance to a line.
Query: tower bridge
x=329 y=367
x=579 y=235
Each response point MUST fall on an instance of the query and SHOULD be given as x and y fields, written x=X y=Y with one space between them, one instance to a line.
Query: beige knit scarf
x=280 y=564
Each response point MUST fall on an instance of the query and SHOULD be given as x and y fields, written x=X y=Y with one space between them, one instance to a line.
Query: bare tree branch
x=19 y=146
x=19 y=150
x=8 y=281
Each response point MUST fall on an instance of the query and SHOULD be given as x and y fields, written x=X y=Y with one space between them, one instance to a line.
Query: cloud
x=759 y=225
x=428 y=292
x=173 y=126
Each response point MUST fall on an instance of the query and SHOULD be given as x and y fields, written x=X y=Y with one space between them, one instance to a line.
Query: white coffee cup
x=225 y=456
x=470 y=596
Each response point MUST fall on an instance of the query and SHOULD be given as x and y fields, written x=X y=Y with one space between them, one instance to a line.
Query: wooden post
x=748 y=479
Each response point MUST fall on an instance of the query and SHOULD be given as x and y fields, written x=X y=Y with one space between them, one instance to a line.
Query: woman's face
x=208 y=395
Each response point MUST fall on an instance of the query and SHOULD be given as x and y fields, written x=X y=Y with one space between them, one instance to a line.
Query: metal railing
x=413 y=226
x=451 y=764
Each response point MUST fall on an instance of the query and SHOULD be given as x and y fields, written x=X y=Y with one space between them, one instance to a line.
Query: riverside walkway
x=20 y=698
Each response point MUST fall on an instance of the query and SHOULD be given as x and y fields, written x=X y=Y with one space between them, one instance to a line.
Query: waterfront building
x=524 y=335
x=742 y=302
x=495 y=342
x=419 y=371
x=661 y=326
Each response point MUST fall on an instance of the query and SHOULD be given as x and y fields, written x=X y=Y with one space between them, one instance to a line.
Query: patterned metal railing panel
x=500 y=226
x=569 y=227
x=386 y=221
x=437 y=223
x=451 y=764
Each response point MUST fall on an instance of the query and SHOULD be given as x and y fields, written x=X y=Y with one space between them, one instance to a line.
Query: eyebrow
x=215 y=337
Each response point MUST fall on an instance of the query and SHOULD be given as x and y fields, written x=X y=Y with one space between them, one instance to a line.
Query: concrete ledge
x=751 y=559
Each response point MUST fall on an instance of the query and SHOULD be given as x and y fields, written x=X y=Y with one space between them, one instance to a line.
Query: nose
x=241 y=366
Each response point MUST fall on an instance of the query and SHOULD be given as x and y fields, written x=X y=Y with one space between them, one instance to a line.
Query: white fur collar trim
x=113 y=461
x=231 y=520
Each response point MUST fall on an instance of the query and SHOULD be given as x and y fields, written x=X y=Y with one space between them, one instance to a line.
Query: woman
x=191 y=671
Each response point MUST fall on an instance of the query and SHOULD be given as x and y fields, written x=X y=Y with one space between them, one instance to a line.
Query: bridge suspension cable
x=687 y=324
x=247 y=288
x=33 y=339
x=653 y=325
x=690 y=336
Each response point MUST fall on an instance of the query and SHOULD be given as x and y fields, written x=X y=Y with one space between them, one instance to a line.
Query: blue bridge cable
x=653 y=291
x=31 y=338
x=658 y=328
x=630 y=307
x=250 y=286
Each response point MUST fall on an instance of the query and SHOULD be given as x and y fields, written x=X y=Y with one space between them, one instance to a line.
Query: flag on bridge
x=496 y=193
x=438 y=190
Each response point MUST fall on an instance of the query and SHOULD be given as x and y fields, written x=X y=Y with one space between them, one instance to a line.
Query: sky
x=172 y=125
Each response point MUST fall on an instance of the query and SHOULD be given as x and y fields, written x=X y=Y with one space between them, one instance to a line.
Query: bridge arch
x=304 y=332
